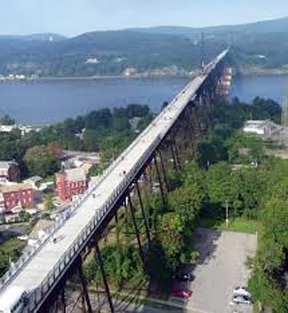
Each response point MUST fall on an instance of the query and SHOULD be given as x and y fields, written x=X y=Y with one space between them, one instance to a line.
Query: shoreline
x=273 y=72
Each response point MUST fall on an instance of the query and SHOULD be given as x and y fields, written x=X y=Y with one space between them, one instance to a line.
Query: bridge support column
x=174 y=159
x=126 y=217
x=163 y=171
x=98 y=255
x=86 y=297
x=160 y=183
x=143 y=213
x=63 y=300
x=117 y=233
x=147 y=199
x=177 y=157
x=132 y=210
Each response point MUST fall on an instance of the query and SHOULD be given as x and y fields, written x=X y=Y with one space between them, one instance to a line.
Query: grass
x=240 y=225
x=11 y=245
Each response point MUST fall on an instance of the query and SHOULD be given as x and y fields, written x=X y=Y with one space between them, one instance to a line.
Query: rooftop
x=14 y=187
x=34 y=179
x=5 y=165
x=75 y=174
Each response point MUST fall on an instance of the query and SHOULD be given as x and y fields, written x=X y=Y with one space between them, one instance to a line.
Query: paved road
x=221 y=268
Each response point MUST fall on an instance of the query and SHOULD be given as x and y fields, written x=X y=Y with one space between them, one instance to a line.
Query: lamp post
x=227 y=214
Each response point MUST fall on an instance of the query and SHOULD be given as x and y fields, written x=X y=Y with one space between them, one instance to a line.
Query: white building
x=34 y=181
x=263 y=128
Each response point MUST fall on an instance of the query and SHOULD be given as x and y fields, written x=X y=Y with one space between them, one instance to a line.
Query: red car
x=182 y=293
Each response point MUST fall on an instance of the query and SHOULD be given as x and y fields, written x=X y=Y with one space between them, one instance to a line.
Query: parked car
x=241 y=291
x=182 y=293
x=184 y=273
x=241 y=300
x=183 y=277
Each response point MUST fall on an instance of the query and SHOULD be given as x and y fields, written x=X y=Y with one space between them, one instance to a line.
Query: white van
x=13 y=300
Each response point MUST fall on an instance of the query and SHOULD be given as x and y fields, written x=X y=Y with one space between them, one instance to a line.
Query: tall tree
x=40 y=161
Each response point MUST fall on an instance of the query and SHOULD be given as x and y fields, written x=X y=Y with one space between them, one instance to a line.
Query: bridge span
x=40 y=272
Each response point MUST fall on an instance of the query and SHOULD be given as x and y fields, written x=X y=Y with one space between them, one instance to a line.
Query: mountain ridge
x=261 y=45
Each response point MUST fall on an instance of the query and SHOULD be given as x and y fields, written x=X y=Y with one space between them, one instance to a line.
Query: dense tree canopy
x=40 y=161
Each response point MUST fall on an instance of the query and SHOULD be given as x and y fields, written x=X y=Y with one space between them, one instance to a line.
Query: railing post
x=104 y=276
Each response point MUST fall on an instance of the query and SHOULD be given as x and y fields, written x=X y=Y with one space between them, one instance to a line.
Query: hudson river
x=50 y=101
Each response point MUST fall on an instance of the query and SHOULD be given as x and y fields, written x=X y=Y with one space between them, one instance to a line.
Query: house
x=263 y=128
x=34 y=181
x=14 y=195
x=70 y=183
x=9 y=172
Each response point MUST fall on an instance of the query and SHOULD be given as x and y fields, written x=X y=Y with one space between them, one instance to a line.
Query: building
x=9 y=172
x=71 y=183
x=16 y=196
x=24 y=129
x=262 y=128
x=34 y=181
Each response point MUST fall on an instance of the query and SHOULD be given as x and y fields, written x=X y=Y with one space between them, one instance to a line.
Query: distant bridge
x=44 y=271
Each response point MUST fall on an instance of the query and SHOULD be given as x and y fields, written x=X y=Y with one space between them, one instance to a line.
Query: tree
x=39 y=161
x=7 y=120
x=171 y=234
x=187 y=202
x=49 y=203
x=217 y=180
x=91 y=140
x=55 y=150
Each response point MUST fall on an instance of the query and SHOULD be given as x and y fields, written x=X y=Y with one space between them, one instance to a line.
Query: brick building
x=9 y=171
x=70 y=183
x=16 y=195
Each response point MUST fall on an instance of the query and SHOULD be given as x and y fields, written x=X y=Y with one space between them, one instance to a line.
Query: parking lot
x=220 y=269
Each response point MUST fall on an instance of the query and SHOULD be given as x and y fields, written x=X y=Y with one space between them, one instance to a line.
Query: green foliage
x=9 y=252
x=187 y=202
x=270 y=265
x=48 y=202
x=91 y=140
x=171 y=235
x=7 y=120
x=40 y=161
x=120 y=267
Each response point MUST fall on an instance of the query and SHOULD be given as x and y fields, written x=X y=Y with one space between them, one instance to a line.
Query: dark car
x=183 y=277
x=184 y=273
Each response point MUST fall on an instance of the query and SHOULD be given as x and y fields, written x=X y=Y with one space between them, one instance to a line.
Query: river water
x=50 y=101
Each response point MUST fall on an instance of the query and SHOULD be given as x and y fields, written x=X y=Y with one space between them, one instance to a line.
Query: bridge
x=44 y=270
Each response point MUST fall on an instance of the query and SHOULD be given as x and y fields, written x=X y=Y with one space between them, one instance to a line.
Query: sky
x=73 y=17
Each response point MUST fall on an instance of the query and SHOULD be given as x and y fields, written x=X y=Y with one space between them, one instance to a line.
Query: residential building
x=9 y=172
x=34 y=181
x=16 y=196
x=263 y=128
x=70 y=183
